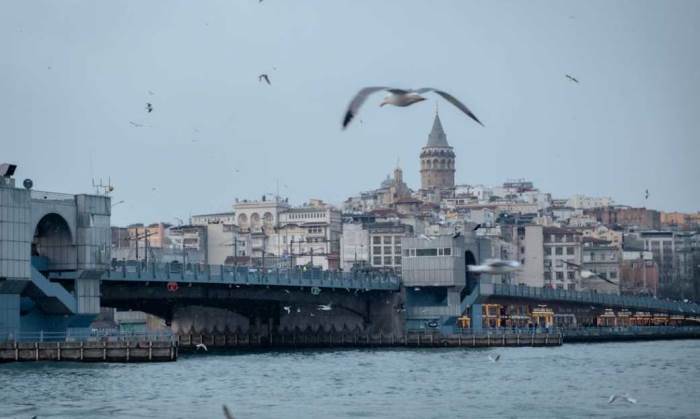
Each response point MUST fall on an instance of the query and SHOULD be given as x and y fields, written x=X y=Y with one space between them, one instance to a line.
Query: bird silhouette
x=149 y=107
x=264 y=77
x=572 y=78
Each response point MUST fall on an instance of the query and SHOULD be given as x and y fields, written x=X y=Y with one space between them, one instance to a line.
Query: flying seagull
x=495 y=266
x=202 y=346
x=288 y=309
x=478 y=226
x=624 y=397
x=494 y=358
x=264 y=77
x=573 y=79
x=149 y=107
x=227 y=413
x=585 y=273
x=134 y=124
x=646 y=194
x=325 y=307
x=402 y=98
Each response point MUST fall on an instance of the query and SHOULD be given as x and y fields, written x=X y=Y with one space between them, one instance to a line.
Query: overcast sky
x=74 y=73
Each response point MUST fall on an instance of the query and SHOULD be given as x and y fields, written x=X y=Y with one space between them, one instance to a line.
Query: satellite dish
x=28 y=184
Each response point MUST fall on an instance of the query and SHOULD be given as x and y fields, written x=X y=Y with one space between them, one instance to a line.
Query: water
x=571 y=381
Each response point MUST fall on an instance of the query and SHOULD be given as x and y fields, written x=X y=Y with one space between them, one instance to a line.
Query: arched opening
x=255 y=221
x=52 y=245
x=242 y=221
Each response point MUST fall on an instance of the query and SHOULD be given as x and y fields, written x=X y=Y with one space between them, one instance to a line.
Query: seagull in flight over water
x=494 y=359
x=624 y=397
x=264 y=77
x=202 y=346
x=402 y=98
x=585 y=273
x=325 y=307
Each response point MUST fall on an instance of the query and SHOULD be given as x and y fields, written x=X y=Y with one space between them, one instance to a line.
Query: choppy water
x=569 y=381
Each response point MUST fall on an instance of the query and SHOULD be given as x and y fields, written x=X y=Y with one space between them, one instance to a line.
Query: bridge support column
x=9 y=314
x=477 y=318
x=87 y=293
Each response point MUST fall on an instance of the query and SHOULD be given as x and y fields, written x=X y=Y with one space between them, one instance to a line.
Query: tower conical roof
x=437 y=137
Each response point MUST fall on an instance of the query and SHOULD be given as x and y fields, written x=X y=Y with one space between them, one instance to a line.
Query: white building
x=354 y=246
x=586 y=202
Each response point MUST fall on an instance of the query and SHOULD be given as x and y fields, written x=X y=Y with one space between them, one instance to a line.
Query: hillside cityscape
x=632 y=250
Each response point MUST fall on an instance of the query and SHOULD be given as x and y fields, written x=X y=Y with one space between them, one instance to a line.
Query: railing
x=630 y=331
x=194 y=273
x=610 y=300
x=86 y=336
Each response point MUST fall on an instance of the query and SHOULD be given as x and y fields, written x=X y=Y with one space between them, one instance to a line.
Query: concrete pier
x=87 y=351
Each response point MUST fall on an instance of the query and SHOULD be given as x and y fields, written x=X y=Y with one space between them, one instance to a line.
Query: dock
x=89 y=349
x=368 y=340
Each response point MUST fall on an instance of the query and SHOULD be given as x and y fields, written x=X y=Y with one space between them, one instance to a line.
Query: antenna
x=101 y=188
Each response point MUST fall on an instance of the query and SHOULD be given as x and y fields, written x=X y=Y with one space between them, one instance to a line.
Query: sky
x=74 y=74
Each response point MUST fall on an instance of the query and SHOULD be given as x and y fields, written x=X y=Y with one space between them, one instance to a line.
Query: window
x=376 y=240
x=560 y=286
x=387 y=239
x=439 y=252
x=547 y=276
x=426 y=252
x=559 y=250
x=397 y=260
x=387 y=250
x=405 y=252
x=377 y=260
x=522 y=249
x=570 y=250
x=397 y=250
x=376 y=250
x=613 y=275
x=570 y=275
x=387 y=260
x=560 y=276
x=413 y=252
x=447 y=251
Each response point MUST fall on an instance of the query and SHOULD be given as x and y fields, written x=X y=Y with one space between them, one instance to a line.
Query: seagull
x=227 y=413
x=325 y=307
x=298 y=310
x=286 y=291
x=149 y=107
x=424 y=237
x=573 y=79
x=646 y=194
x=288 y=309
x=623 y=397
x=495 y=266
x=134 y=124
x=202 y=346
x=585 y=273
x=478 y=226
x=416 y=289
x=151 y=93
x=264 y=77
x=494 y=359
x=402 y=98
x=457 y=234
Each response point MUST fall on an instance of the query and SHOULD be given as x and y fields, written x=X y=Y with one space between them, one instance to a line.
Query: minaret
x=437 y=159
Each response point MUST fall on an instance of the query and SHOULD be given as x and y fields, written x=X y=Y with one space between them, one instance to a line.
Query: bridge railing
x=612 y=300
x=133 y=270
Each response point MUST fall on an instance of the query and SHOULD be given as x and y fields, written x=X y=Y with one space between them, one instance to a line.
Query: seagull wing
x=597 y=275
x=612 y=398
x=227 y=413
x=357 y=101
x=571 y=263
x=453 y=100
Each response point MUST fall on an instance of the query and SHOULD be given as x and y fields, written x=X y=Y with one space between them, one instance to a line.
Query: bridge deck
x=221 y=274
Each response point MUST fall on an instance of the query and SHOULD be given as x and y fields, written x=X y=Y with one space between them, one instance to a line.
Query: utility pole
x=137 y=243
